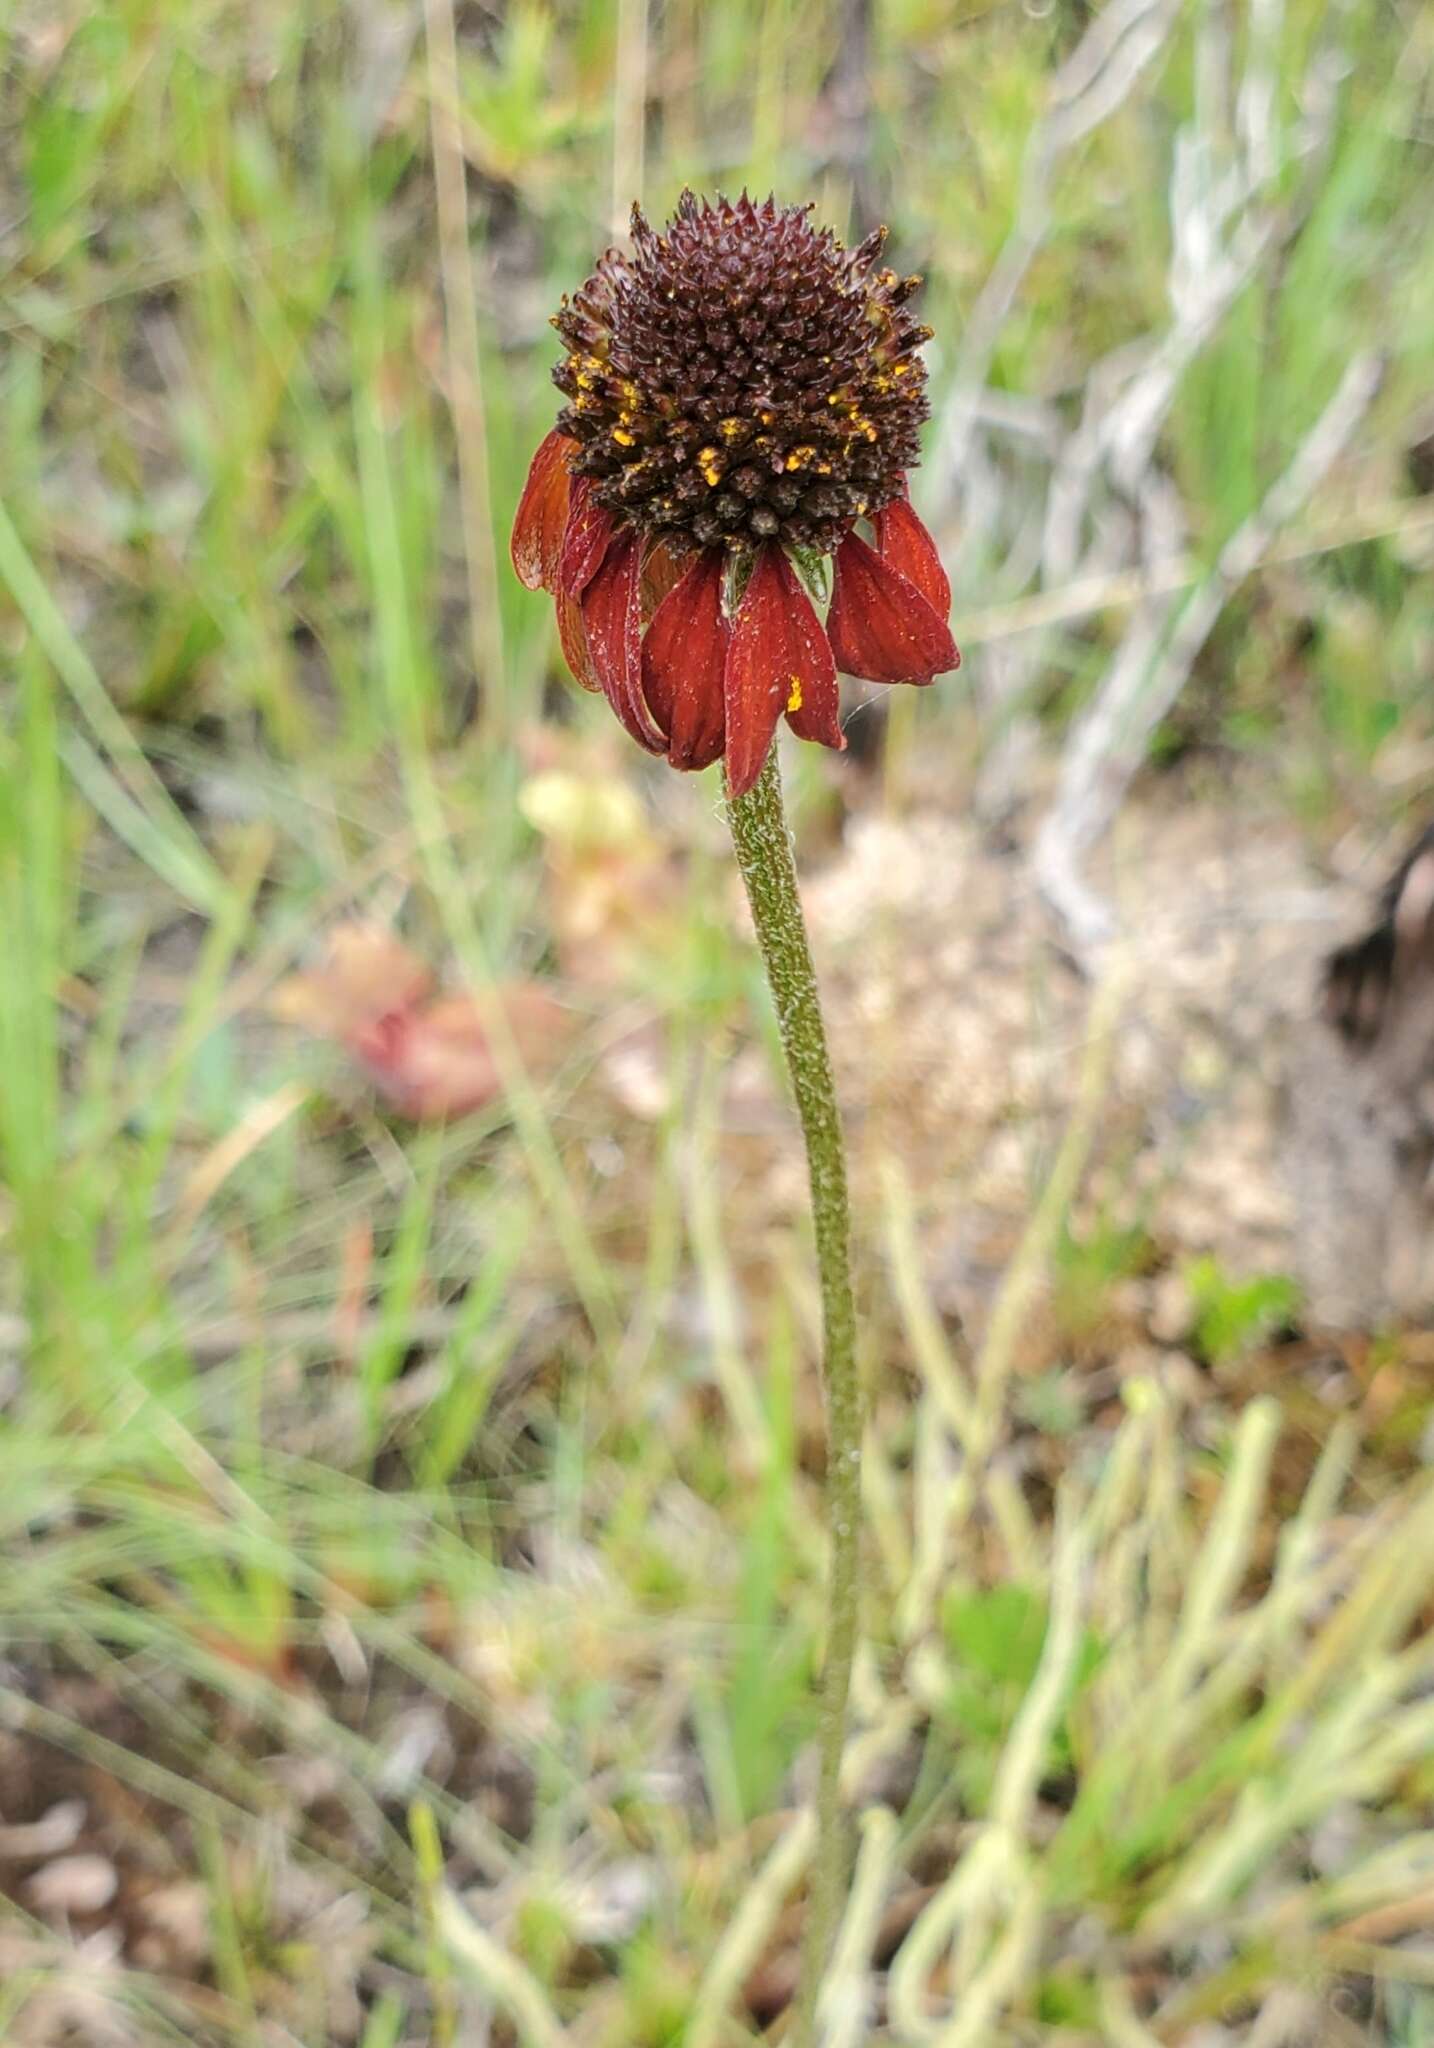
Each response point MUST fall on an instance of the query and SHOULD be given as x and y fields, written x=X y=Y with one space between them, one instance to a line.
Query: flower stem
x=764 y=854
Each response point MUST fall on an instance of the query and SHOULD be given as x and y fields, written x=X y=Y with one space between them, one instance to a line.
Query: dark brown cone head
x=742 y=378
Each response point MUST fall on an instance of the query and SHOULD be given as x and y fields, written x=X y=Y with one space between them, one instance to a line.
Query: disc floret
x=743 y=378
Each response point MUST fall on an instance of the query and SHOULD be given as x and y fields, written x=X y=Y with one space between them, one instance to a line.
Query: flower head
x=743 y=394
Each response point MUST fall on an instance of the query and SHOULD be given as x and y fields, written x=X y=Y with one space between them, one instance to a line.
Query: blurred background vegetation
x=412 y=1544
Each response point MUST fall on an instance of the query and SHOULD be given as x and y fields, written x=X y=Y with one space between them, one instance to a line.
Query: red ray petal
x=612 y=615
x=589 y=530
x=573 y=635
x=542 y=514
x=814 y=710
x=778 y=652
x=880 y=626
x=683 y=660
x=662 y=568
x=904 y=542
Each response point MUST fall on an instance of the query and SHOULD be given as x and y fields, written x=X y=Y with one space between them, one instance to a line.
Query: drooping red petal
x=572 y=633
x=903 y=541
x=662 y=568
x=684 y=657
x=589 y=530
x=612 y=618
x=880 y=626
x=814 y=707
x=542 y=515
x=778 y=654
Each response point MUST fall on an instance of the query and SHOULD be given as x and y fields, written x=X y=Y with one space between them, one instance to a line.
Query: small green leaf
x=815 y=571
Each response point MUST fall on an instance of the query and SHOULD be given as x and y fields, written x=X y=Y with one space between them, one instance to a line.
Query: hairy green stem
x=764 y=854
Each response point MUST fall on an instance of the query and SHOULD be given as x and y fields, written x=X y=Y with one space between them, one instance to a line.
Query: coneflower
x=744 y=398
x=744 y=402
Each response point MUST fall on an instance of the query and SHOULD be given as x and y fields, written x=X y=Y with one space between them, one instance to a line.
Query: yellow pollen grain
x=767 y=418
x=902 y=370
x=860 y=507
x=729 y=429
x=709 y=464
x=623 y=440
x=794 y=700
x=800 y=457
